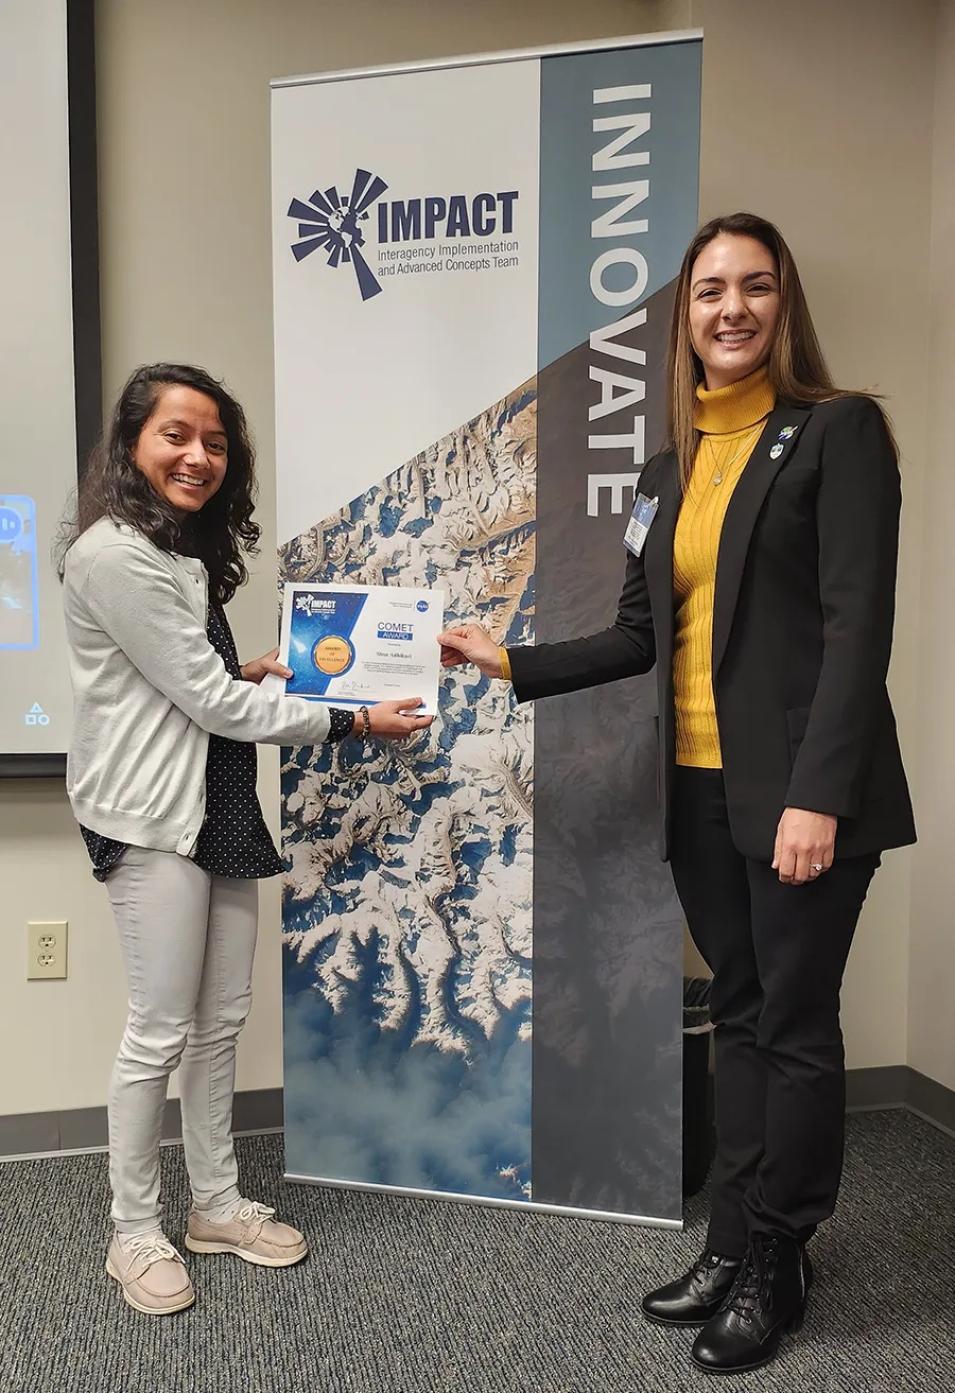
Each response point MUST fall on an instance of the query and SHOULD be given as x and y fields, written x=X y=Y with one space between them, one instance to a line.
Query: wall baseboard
x=84 y=1129
x=868 y=1090
x=898 y=1086
x=260 y=1110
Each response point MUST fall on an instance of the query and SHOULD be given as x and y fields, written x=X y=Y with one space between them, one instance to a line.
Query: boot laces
x=753 y=1287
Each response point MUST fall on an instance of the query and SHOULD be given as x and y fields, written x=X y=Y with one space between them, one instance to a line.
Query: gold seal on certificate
x=354 y=645
x=333 y=655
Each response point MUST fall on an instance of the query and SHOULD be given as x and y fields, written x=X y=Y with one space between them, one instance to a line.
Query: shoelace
x=753 y=1285
x=252 y=1212
x=154 y=1247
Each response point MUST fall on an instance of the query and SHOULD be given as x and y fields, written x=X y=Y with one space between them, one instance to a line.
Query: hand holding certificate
x=361 y=645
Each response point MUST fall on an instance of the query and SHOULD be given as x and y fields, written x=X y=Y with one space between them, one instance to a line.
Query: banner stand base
x=524 y=1206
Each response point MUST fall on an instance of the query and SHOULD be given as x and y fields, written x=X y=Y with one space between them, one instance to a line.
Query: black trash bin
x=699 y=1139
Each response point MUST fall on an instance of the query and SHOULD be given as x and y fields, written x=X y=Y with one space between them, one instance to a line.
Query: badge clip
x=644 y=511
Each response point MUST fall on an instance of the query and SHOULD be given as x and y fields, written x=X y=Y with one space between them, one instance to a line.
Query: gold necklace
x=719 y=473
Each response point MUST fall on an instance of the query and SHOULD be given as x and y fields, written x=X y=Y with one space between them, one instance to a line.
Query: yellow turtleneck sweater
x=731 y=420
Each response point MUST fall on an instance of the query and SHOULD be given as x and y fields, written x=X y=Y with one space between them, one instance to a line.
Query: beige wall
x=860 y=173
x=820 y=116
x=931 y=1035
x=186 y=274
x=823 y=125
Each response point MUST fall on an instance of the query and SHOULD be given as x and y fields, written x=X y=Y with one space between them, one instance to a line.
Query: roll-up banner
x=474 y=265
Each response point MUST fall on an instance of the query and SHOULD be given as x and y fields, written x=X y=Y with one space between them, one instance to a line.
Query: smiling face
x=182 y=449
x=734 y=307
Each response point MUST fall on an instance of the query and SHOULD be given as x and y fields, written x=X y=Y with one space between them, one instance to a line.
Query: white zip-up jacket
x=149 y=689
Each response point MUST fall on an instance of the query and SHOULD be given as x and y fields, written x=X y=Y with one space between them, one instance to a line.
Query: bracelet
x=365 y=731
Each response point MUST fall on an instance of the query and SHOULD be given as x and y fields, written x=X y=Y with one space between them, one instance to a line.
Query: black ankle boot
x=693 y=1298
x=767 y=1300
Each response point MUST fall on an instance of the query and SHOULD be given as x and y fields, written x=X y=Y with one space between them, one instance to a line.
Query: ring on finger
x=817 y=867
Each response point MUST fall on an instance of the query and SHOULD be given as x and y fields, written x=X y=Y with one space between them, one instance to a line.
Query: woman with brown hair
x=761 y=583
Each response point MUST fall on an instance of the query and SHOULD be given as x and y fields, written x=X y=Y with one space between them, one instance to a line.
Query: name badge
x=644 y=511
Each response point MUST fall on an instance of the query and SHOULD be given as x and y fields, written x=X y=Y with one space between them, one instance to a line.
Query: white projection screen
x=50 y=350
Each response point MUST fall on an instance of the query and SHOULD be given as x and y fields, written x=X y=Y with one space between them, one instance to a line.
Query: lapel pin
x=776 y=451
x=787 y=432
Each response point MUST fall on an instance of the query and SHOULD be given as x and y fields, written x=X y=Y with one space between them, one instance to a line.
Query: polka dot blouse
x=233 y=840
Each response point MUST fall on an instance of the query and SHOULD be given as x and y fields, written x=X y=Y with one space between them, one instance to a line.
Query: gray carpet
x=406 y=1296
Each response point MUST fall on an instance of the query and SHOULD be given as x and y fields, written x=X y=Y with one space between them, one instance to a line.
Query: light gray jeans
x=188 y=940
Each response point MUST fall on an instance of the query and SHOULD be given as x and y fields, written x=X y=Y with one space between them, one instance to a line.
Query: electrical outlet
x=46 y=949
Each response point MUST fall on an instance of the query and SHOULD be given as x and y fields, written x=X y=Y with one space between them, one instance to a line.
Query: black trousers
x=777 y=953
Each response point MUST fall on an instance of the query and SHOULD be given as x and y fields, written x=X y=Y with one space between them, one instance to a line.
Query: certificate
x=354 y=645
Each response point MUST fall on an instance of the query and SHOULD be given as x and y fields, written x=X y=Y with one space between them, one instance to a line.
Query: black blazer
x=802 y=630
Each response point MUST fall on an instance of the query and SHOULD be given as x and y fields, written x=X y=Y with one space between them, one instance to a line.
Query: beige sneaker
x=251 y=1233
x=151 y=1273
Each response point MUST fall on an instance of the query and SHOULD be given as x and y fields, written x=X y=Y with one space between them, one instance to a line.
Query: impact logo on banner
x=454 y=232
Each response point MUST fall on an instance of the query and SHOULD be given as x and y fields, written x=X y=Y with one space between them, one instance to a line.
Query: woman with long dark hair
x=761 y=583
x=162 y=779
